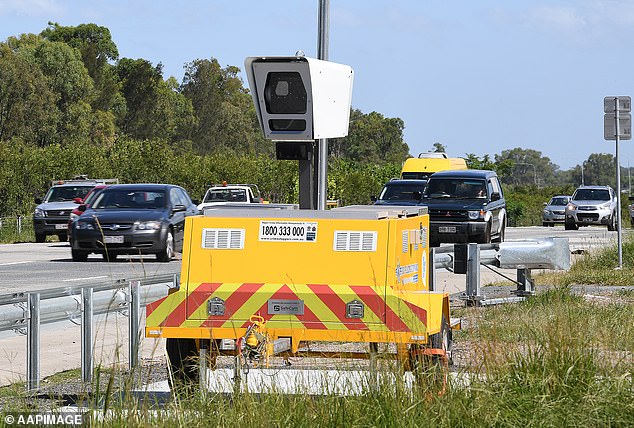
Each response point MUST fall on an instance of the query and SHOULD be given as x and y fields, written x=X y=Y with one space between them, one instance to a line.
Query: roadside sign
x=625 y=126
x=625 y=104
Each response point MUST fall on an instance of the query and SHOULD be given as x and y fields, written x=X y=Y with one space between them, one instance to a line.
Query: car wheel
x=502 y=233
x=485 y=238
x=63 y=237
x=612 y=223
x=40 y=237
x=168 y=250
x=79 y=256
x=544 y=224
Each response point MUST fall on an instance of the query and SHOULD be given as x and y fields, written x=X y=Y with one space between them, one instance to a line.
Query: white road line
x=16 y=263
x=84 y=279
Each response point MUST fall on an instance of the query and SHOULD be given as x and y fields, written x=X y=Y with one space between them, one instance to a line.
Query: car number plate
x=447 y=229
x=587 y=219
x=116 y=239
x=61 y=226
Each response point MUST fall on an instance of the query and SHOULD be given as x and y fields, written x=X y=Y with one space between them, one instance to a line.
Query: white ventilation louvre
x=405 y=236
x=355 y=241
x=223 y=239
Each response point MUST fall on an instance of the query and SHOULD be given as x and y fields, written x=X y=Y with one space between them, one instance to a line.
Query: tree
x=372 y=138
x=600 y=170
x=27 y=104
x=97 y=49
x=224 y=110
x=528 y=167
x=439 y=148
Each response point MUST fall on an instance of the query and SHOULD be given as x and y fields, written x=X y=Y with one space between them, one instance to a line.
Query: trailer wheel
x=183 y=360
x=431 y=370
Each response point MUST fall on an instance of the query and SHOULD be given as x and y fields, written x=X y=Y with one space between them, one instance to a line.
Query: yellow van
x=426 y=164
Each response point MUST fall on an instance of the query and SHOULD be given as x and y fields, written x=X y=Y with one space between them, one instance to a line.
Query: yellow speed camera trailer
x=351 y=274
x=427 y=163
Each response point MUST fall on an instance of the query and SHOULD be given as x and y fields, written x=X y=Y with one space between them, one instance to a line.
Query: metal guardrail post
x=19 y=224
x=134 y=308
x=33 y=342
x=202 y=364
x=525 y=283
x=432 y=269
x=473 y=275
x=86 y=335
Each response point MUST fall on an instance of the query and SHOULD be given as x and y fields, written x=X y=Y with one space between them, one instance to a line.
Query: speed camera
x=298 y=98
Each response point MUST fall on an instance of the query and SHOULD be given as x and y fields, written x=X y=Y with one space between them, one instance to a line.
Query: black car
x=465 y=206
x=133 y=219
x=401 y=192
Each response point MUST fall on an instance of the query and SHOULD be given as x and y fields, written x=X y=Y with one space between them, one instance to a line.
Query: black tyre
x=40 y=237
x=485 y=238
x=167 y=253
x=183 y=359
x=612 y=223
x=79 y=256
x=544 y=224
x=571 y=225
x=63 y=237
x=502 y=234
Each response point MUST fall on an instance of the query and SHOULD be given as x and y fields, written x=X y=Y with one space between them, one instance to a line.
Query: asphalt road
x=30 y=266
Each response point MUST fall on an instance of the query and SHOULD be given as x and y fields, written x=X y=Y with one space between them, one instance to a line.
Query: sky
x=477 y=76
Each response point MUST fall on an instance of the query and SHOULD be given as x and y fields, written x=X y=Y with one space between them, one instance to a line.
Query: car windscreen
x=401 y=192
x=66 y=193
x=130 y=199
x=456 y=188
x=592 y=195
x=226 y=195
x=558 y=202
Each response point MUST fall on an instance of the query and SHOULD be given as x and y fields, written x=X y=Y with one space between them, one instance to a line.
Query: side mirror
x=38 y=200
x=373 y=198
x=545 y=203
x=495 y=196
x=81 y=208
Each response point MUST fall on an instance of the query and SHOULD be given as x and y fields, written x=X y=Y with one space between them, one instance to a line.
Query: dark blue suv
x=465 y=206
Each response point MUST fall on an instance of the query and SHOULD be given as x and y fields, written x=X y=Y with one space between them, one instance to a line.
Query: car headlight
x=546 y=211
x=148 y=225
x=475 y=215
x=84 y=225
x=606 y=205
x=39 y=212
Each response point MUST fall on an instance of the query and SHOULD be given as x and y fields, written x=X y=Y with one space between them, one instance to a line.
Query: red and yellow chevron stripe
x=389 y=315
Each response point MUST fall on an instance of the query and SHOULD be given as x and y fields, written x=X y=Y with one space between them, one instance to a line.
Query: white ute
x=230 y=194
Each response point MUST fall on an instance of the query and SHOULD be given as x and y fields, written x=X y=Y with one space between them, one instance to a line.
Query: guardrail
x=25 y=312
x=16 y=224
x=524 y=255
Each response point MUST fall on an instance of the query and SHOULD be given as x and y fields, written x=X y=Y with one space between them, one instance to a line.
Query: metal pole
x=473 y=273
x=618 y=183
x=33 y=342
x=86 y=335
x=133 y=319
x=322 y=53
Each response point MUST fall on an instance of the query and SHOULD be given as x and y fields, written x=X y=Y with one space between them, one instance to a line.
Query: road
x=30 y=267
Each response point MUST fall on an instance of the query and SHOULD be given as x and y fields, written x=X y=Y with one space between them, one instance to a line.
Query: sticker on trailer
x=288 y=231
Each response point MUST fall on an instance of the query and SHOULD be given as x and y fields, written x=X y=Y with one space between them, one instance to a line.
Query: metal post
x=203 y=357
x=19 y=225
x=473 y=273
x=134 y=308
x=322 y=155
x=432 y=269
x=525 y=283
x=33 y=342
x=618 y=183
x=86 y=334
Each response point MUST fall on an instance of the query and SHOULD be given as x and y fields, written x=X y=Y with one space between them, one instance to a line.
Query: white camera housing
x=298 y=98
